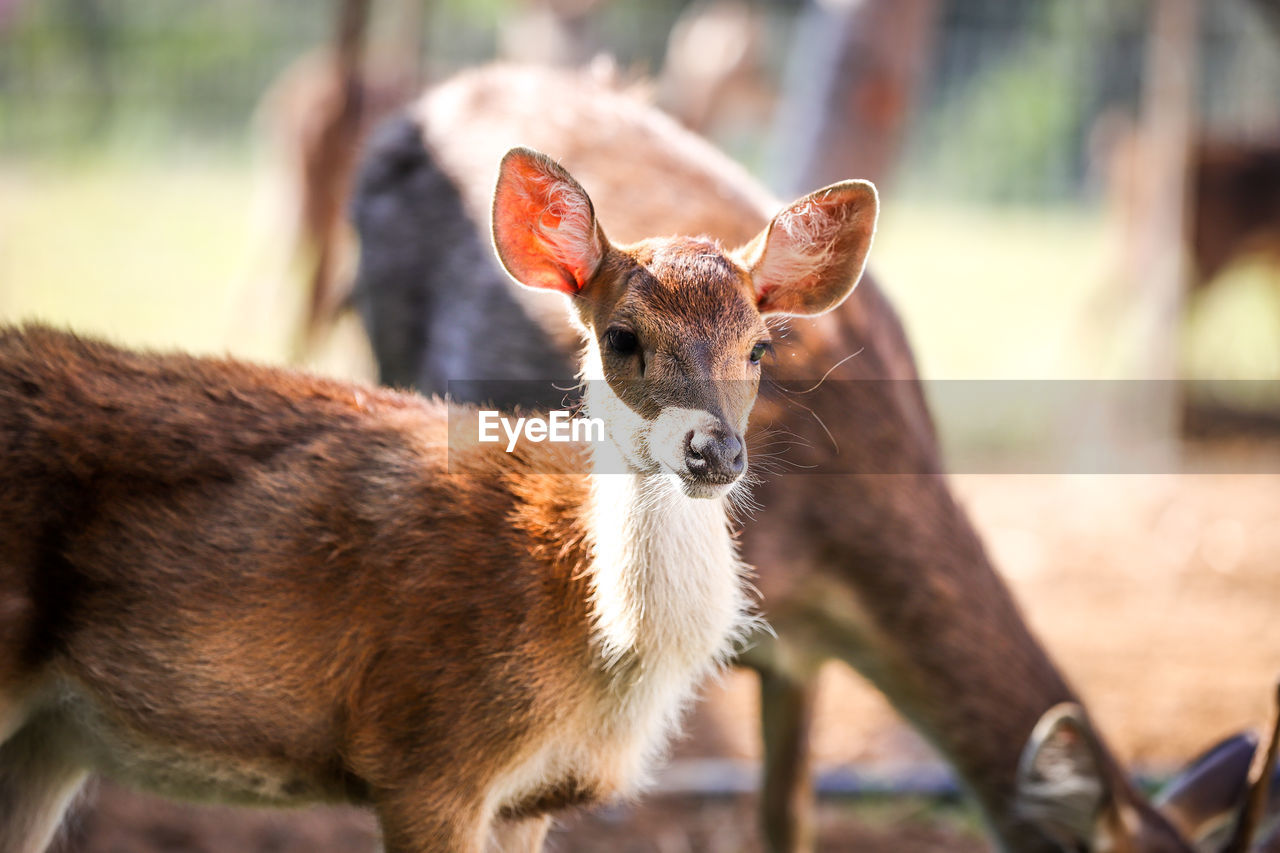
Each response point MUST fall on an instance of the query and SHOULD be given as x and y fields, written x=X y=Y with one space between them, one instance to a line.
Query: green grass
x=993 y=292
x=1234 y=332
x=147 y=256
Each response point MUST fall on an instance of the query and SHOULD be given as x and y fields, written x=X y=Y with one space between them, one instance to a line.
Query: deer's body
x=883 y=572
x=238 y=584
x=213 y=572
x=228 y=582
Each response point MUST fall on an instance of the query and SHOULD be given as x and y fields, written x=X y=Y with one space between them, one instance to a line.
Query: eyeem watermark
x=557 y=426
x=806 y=427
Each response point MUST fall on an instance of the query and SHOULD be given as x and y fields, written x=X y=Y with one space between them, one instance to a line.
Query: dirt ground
x=1157 y=594
x=115 y=821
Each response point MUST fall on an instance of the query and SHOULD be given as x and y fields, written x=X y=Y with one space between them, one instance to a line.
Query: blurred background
x=1084 y=189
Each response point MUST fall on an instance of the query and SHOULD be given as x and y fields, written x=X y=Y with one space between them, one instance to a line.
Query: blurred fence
x=77 y=74
x=1015 y=99
x=1022 y=94
x=149 y=74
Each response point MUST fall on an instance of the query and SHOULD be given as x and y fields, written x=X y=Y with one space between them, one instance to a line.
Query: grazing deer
x=238 y=583
x=878 y=567
x=316 y=113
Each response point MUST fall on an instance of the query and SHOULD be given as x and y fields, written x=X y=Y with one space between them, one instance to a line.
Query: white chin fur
x=694 y=489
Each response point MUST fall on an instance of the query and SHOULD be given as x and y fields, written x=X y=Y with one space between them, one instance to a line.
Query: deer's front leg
x=786 y=704
x=519 y=836
x=420 y=819
x=37 y=782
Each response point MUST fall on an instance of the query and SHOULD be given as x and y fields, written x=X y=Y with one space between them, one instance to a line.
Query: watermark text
x=557 y=426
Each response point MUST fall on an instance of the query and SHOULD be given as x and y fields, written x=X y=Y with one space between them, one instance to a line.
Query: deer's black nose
x=715 y=455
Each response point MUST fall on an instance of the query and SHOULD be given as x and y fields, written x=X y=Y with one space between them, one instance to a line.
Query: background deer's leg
x=786 y=705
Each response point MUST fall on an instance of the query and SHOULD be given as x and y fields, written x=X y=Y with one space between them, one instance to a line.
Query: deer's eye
x=622 y=341
x=758 y=351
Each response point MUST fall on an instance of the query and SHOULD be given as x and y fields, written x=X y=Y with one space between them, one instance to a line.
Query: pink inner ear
x=544 y=228
x=812 y=252
x=801 y=246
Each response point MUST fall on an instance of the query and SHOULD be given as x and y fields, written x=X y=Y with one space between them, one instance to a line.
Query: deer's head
x=675 y=326
x=1071 y=790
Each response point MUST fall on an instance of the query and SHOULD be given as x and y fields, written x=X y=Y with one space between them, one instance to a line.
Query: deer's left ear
x=811 y=255
x=544 y=226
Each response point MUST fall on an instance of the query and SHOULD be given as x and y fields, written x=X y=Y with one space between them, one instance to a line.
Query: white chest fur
x=667 y=601
x=668 y=606
x=666 y=581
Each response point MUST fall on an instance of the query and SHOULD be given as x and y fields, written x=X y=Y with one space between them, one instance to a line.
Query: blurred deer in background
x=1235 y=208
x=1066 y=786
x=879 y=568
x=317 y=113
x=244 y=584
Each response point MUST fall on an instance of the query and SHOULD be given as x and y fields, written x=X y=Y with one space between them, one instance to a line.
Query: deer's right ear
x=811 y=256
x=1061 y=785
x=544 y=226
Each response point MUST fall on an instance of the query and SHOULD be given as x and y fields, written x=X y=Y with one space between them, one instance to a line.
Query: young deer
x=240 y=583
x=883 y=572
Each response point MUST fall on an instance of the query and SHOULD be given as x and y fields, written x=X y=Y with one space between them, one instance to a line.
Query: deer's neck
x=666 y=585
